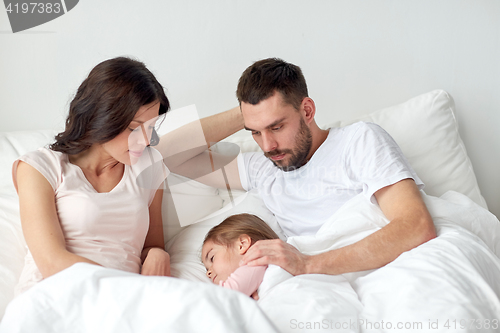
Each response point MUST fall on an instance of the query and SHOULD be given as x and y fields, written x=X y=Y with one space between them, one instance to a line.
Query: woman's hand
x=157 y=262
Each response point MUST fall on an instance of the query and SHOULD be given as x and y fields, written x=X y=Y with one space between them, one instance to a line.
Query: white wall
x=358 y=56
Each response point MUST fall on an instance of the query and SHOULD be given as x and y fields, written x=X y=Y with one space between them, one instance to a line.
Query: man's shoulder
x=362 y=126
x=362 y=131
x=339 y=136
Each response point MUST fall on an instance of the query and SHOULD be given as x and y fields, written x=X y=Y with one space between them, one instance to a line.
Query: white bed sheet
x=88 y=298
x=452 y=281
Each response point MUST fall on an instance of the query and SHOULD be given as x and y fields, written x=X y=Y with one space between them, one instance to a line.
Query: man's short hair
x=264 y=77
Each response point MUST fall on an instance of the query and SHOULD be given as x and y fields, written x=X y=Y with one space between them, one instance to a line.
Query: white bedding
x=450 y=284
x=88 y=298
x=452 y=281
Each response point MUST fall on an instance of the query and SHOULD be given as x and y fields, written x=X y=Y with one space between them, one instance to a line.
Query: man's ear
x=308 y=109
x=244 y=243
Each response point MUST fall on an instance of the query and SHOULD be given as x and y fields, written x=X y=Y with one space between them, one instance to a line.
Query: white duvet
x=449 y=284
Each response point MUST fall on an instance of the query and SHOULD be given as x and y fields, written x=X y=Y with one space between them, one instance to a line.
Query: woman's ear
x=244 y=243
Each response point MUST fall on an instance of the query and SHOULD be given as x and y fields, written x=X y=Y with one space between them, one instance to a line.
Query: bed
x=451 y=283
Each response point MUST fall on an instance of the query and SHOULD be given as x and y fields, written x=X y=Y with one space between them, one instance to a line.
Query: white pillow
x=186 y=201
x=12 y=249
x=185 y=247
x=426 y=130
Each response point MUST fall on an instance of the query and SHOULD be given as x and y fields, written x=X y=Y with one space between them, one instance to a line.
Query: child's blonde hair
x=234 y=226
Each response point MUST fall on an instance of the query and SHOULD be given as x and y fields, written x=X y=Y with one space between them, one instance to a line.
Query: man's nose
x=268 y=143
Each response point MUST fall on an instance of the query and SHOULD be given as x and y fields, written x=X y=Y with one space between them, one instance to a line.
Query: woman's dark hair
x=265 y=77
x=106 y=102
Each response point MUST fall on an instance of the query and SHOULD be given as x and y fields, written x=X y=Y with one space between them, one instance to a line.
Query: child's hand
x=255 y=295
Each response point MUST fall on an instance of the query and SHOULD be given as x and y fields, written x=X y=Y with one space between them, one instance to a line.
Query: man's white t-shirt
x=360 y=158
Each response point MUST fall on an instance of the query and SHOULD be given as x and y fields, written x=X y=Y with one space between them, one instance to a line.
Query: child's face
x=220 y=261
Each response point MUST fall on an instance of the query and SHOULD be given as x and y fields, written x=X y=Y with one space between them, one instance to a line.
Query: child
x=225 y=245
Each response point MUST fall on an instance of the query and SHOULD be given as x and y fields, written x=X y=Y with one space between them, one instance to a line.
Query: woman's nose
x=144 y=136
x=209 y=272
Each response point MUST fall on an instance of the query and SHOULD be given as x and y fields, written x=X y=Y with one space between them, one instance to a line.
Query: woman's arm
x=41 y=227
x=155 y=260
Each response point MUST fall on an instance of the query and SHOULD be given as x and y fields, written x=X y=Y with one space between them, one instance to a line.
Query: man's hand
x=410 y=225
x=157 y=263
x=276 y=252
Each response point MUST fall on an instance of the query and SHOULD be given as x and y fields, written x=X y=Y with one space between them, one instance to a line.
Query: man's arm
x=410 y=225
x=185 y=150
x=183 y=143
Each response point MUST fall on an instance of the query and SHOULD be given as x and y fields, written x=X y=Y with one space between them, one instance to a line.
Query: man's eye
x=255 y=133
x=276 y=128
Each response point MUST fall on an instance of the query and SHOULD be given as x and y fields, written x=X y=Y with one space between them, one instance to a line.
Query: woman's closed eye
x=138 y=128
x=134 y=129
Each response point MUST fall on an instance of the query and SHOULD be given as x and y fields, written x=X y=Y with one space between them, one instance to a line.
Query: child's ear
x=244 y=243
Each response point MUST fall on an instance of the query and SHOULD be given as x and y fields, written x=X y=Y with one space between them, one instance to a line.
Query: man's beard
x=298 y=156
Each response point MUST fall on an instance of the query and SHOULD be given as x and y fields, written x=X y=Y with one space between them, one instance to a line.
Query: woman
x=80 y=200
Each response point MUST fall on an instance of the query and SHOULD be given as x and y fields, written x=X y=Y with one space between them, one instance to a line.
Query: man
x=305 y=174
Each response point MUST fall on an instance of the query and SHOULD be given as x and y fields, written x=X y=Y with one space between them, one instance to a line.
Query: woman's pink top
x=108 y=228
x=246 y=279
